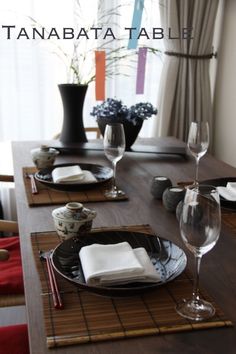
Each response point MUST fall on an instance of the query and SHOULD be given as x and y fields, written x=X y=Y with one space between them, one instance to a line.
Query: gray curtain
x=185 y=93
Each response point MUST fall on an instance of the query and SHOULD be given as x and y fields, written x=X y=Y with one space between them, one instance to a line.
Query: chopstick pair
x=34 y=188
x=53 y=284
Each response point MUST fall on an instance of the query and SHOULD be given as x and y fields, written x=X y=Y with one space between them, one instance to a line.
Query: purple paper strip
x=142 y=56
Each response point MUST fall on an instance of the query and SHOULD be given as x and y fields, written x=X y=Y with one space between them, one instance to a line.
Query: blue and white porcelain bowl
x=44 y=156
x=73 y=220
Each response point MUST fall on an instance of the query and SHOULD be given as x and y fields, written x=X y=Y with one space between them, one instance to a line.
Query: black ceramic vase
x=73 y=96
x=131 y=130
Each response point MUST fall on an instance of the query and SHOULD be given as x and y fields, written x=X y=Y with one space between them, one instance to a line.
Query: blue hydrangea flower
x=114 y=109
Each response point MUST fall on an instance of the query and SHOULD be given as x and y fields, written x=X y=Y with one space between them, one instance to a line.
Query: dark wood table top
x=134 y=175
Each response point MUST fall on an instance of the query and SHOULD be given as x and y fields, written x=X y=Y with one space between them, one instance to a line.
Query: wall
x=225 y=91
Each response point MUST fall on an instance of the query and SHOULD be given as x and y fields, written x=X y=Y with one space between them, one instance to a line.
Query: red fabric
x=14 y=339
x=11 y=278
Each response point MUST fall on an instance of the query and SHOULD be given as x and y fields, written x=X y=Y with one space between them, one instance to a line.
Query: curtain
x=185 y=93
x=30 y=106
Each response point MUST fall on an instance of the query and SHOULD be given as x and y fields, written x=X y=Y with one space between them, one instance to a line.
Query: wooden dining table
x=134 y=175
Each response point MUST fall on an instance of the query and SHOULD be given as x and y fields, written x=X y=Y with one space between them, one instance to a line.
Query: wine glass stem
x=196 y=278
x=196 y=173
x=114 y=175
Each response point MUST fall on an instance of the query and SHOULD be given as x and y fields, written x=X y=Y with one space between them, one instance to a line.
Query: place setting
x=50 y=183
x=125 y=270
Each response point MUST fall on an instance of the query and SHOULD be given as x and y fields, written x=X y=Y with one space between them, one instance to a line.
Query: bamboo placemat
x=90 y=318
x=50 y=196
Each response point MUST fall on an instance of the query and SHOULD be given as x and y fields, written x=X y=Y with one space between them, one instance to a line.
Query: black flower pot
x=73 y=96
x=131 y=130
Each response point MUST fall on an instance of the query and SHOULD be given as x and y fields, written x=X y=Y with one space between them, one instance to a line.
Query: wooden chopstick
x=34 y=189
x=53 y=285
x=59 y=301
x=55 y=302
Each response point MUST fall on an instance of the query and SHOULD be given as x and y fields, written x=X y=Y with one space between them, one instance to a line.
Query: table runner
x=49 y=196
x=90 y=318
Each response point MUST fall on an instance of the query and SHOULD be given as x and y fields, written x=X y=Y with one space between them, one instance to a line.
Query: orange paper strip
x=100 y=59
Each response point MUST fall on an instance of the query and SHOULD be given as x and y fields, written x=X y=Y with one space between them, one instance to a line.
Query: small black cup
x=172 y=196
x=158 y=186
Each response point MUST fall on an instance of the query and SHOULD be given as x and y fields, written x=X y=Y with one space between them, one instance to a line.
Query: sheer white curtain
x=29 y=72
x=30 y=104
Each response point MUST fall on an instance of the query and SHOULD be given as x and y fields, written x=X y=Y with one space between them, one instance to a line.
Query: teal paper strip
x=136 y=23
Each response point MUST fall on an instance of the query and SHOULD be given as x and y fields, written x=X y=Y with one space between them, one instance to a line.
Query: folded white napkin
x=72 y=174
x=116 y=264
x=228 y=192
x=232 y=187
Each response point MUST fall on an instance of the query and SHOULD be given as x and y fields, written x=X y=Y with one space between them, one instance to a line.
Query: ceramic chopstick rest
x=172 y=196
x=159 y=185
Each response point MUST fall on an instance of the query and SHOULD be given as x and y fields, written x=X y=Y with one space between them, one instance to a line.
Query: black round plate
x=222 y=182
x=102 y=174
x=168 y=259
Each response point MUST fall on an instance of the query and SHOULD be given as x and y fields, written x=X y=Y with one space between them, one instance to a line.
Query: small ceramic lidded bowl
x=73 y=220
x=44 y=156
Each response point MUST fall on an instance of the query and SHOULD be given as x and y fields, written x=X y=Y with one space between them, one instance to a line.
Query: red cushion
x=14 y=339
x=11 y=278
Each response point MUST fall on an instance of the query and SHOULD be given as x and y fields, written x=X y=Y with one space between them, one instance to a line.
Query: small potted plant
x=113 y=110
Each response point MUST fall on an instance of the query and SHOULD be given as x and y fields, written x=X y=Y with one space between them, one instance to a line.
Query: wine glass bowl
x=114 y=148
x=198 y=142
x=200 y=225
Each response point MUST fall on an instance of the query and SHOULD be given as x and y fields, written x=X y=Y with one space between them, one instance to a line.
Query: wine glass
x=198 y=142
x=114 y=148
x=200 y=224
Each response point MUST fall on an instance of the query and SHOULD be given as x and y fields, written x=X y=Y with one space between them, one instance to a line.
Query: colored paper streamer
x=142 y=57
x=136 y=23
x=100 y=61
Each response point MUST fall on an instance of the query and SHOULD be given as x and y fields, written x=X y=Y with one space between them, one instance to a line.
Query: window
x=30 y=104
